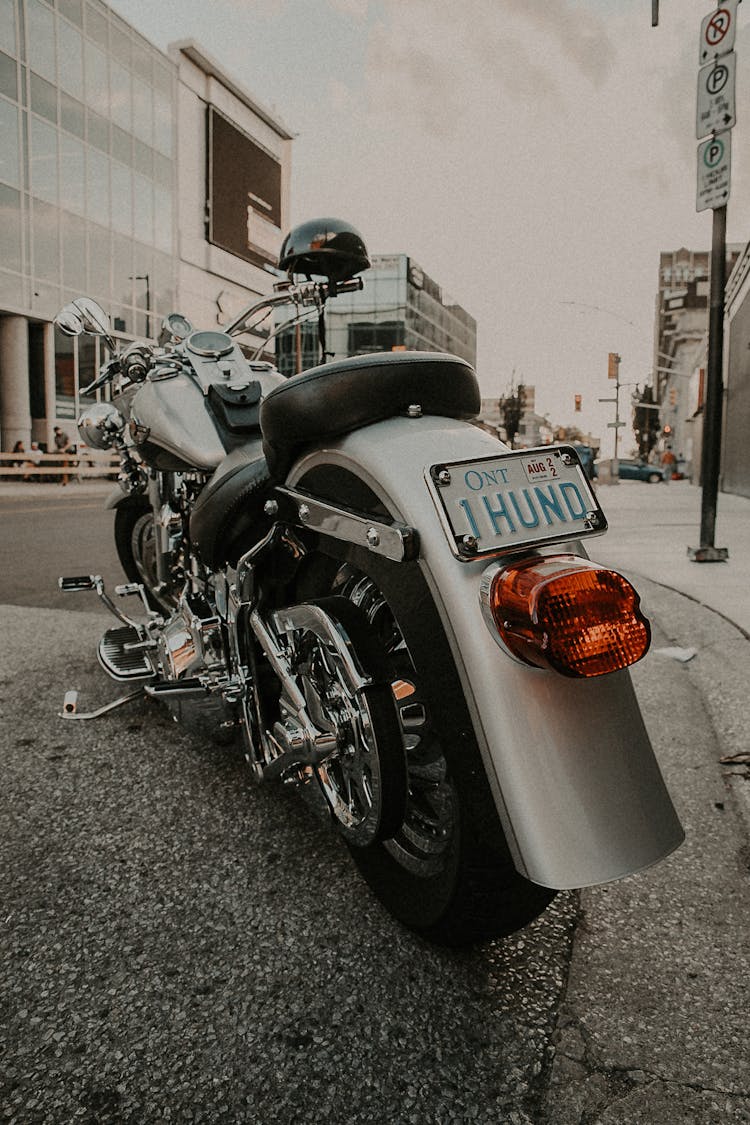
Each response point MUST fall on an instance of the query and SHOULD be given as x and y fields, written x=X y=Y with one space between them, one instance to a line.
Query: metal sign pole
x=715 y=114
x=712 y=413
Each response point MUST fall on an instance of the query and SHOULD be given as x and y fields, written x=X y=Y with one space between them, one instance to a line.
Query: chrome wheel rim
x=431 y=819
x=351 y=778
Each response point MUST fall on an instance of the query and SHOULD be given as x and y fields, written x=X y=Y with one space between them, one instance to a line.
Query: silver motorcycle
x=394 y=611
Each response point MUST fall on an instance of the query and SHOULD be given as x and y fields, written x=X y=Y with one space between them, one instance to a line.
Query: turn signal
x=565 y=613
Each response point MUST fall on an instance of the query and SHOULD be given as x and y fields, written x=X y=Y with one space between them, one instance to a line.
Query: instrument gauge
x=210 y=344
x=175 y=328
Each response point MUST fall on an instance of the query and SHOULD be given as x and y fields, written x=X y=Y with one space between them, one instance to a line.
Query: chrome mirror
x=68 y=320
x=94 y=319
x=93 y=316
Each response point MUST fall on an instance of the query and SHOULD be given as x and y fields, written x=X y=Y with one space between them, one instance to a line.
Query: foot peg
x=123 y=656
x=83 y=583
x=79 y=583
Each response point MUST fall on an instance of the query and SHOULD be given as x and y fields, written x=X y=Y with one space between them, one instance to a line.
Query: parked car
x=633 y=469
x=630 y=468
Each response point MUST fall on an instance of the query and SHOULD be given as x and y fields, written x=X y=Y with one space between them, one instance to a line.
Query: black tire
x=134 y=541
x=447 y=873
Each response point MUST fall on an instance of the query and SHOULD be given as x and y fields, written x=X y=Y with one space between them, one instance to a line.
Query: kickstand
x=70 y=704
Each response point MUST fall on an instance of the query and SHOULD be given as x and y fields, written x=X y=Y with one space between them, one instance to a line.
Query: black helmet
x=327 y=248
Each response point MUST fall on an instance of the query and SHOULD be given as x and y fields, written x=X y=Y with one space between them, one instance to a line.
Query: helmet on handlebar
x=327 y=248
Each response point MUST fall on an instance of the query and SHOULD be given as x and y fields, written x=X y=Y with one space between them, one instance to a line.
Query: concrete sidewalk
x=652 y=525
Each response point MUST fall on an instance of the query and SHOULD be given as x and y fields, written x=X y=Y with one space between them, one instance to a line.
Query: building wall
x=680 y=350
x=213 y=284
x=736 y=461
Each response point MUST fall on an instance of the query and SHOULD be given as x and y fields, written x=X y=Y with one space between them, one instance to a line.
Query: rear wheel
x=446 y=871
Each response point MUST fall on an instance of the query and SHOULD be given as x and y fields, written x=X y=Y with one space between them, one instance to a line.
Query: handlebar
x=110 y=370
x=307 y=293
x=310 y=293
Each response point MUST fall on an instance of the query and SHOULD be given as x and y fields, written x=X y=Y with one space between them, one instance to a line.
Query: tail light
x=565 y=613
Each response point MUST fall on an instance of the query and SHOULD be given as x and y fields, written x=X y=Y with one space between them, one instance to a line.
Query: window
x=10 y=168
x=70 y=59
x=73 y=232
x=45 y=228
x=97 y=187
x=8 y=77
x=99 y=257
x=72 y=10
x=40 y=39
x=96 y=25
x=143 y=111
x=72 y=115
x=10 y=228
x=143 y=208
x=8 y=26
x=122 y=198
x=120 y=95
x=43 y=98
x=163 y=220
x=97 y=87
x=72 y=175
x=43 y=160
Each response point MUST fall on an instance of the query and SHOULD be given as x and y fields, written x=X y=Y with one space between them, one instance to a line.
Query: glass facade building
x=87 y=185
x=91 y=119
x=399 y=308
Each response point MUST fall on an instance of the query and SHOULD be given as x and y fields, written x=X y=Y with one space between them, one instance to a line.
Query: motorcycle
x=393 y=610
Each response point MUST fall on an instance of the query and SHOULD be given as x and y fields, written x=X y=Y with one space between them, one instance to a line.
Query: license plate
x=499 y=504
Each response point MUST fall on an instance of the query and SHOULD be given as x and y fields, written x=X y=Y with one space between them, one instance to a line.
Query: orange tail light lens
x=566 y=613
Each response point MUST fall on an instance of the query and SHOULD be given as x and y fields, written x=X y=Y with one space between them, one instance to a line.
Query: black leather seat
x=230 y=505
x=338 y=397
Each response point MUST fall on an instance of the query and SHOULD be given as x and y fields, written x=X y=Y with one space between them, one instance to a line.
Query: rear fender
x=574 y=777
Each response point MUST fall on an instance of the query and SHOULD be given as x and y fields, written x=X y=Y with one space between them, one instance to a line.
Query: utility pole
x=613 y=372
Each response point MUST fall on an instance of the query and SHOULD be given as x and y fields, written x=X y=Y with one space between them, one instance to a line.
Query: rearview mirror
x=69 y=321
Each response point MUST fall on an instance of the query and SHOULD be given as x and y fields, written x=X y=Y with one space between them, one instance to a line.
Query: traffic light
x=613 y=365
x=577 y=400
x=673 y=396
x=667 y=431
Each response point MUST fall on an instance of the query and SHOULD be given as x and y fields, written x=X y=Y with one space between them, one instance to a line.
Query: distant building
x=736 y=462
x=533 y=429
x=150 y=182
x=680 y=349
x=400 y=308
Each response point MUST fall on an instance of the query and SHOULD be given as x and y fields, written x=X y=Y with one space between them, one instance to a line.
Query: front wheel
x=446 y=871
x=135 y=540
x=654 y=478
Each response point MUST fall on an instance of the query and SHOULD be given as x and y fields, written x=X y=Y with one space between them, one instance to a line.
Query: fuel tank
x=172 y=425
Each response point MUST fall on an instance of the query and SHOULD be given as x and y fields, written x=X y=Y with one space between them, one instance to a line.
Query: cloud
x=439 y=66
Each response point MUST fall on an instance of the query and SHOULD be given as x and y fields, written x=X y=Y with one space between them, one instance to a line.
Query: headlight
x=100 y=425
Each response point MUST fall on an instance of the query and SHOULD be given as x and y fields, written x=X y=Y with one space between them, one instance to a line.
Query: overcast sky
x=534 y=156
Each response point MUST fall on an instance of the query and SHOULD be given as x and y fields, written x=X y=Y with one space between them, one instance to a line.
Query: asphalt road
x=51 y=532
x=178 y=945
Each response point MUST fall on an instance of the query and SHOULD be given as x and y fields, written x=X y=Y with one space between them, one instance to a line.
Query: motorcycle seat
x=335 y=398
x=230 y=506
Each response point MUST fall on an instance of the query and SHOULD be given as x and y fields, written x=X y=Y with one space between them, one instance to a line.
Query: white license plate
x=515 y=500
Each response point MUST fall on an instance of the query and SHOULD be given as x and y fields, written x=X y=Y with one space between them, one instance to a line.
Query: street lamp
x=145 y=277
